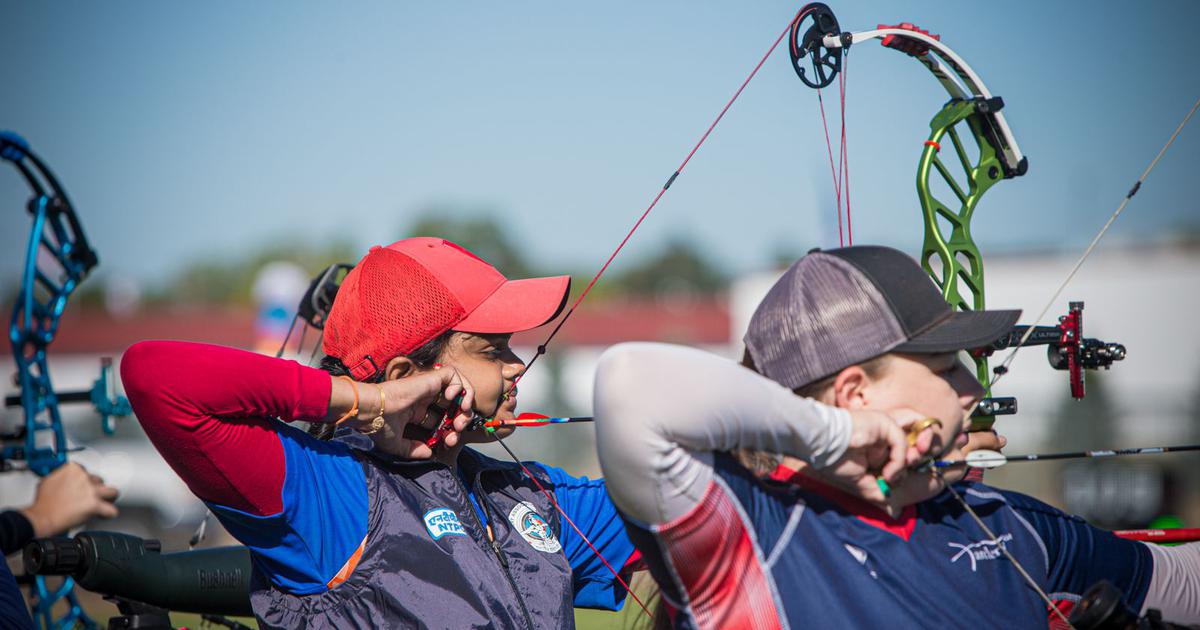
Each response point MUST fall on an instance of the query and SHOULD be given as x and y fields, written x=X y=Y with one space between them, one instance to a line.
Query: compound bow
x=57 y=259
x=949 y=253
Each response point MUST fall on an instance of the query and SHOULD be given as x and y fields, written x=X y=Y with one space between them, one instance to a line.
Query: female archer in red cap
x=375 y=527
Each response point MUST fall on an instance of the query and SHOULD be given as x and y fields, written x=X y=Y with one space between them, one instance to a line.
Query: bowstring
x=1004 y=550
x=845 y=158
x=840 y=171
x=804 y=11
x=541 y=349
x=575 y=527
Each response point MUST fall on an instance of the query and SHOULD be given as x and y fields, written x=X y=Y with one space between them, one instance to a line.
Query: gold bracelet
x=353 y=410
x=377 y=422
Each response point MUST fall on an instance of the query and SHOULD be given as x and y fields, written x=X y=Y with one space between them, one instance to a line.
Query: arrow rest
x=826 y=62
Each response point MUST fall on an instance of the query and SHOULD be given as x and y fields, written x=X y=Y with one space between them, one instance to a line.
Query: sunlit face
x=937 y=385
x=490 y=366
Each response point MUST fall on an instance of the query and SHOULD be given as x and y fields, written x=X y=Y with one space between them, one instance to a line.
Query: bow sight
x=1067 y=349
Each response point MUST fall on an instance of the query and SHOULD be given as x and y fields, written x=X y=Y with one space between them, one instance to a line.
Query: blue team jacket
x=417 y=533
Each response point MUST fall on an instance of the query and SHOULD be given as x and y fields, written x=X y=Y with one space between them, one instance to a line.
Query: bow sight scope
x=214 y=581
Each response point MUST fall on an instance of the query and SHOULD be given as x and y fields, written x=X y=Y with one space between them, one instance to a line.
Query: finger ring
x=915 y=430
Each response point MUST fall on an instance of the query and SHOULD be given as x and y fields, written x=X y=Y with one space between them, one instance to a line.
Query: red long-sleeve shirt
x=207 y=410
x=300 y=504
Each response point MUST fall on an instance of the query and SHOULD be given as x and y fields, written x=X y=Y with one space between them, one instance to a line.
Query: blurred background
x=221 y=155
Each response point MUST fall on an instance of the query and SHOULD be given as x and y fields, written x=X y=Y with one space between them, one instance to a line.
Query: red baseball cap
x=399 y=297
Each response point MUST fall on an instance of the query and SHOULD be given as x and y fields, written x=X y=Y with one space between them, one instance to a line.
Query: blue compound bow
x=57 y=259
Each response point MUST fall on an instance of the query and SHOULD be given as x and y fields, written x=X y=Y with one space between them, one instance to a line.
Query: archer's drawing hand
x=422 y=400
x=878 y=448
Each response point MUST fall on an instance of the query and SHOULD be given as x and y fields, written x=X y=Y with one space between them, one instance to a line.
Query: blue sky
x=197 y=130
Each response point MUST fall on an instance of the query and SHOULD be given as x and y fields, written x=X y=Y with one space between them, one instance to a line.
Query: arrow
x=534 y=420
x=1159 y=535
x=992 y=459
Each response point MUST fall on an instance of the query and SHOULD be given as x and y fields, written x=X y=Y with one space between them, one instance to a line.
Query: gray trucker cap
x=837 y=308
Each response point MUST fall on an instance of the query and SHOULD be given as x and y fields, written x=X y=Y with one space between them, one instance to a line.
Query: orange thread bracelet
x=353 y=410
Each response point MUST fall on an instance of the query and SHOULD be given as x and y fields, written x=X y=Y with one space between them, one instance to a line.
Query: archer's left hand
x=987 y=440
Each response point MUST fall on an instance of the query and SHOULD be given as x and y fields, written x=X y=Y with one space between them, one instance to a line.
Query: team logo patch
x=980 y=551
x=443 y=522
x=533 y=528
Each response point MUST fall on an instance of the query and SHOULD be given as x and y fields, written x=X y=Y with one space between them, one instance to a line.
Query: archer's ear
x=850 y=388
x=399 y=367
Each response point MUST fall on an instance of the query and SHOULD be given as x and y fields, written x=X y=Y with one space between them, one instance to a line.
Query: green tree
x=228 y=280
x=678 y=268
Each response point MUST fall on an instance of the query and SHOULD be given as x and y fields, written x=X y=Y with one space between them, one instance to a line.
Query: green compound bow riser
x=949 y=254
x=958 y=271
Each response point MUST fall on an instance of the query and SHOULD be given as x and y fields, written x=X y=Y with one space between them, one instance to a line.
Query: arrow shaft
x=1151 y=450
x=519 y=422
x=1160 y=535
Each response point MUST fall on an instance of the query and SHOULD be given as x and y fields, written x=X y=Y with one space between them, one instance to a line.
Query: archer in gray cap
x=865 y=327
x=854 y=349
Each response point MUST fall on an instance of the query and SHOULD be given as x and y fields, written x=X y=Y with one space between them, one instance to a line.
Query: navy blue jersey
x=772 y=554
x=13 y=614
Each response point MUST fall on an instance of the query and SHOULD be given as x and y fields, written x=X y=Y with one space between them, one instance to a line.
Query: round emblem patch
x=533 y=528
